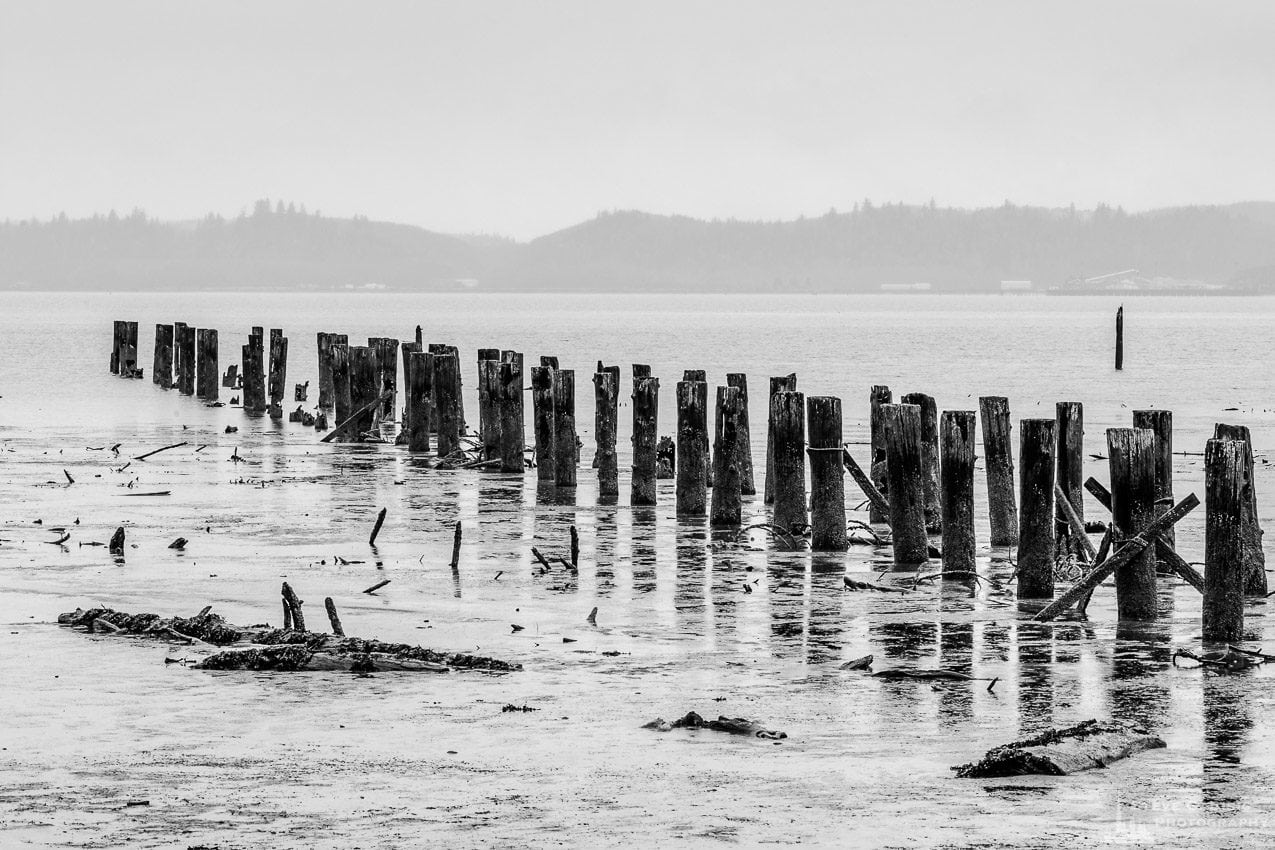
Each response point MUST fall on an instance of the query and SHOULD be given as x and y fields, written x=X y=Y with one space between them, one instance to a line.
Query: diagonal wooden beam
x=1163 y=548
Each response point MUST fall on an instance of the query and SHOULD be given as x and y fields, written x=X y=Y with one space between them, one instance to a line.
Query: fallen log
x=1059 y=752
x=731 y=725
x=262 y=647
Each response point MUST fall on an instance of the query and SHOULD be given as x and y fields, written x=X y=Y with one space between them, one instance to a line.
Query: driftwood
x=869 y=489
x=1231 y=660
x=340 y=429
x=1059 y=752
x=285 y=650
x=1163 y=548
x=732 y=725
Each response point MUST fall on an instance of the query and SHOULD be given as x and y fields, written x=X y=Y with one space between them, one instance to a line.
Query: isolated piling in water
x=956 y=448
x=1160 y=424
x=564 y=428
x=878 y=396
x=905 y=479
x=542 y=419
x=446 y=385
x=420 y=381
x=998 y=458
x=206 y=381
x=929 y=457
x=1227 y=480
x=1131 y=454
x=1036 y=515
x=783 y=383
x=489 y=403
x=1254 y=558
x=827 y=485
x=340 y=381
x=162 y=367
x=743 y=441
x=725 y=508
x=1120 y=338
x=692 y=426
x=333 y=619
x=1069 y=474
x=324 y=345
x=646 y=406
x=606 y=391
x=117 y=342
x=513 y=437
x=787 y=458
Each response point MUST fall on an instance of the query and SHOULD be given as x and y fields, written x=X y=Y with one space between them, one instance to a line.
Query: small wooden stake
x=294 y=605
x=1120 y=338
x=456 y=546
x=333 y=618
x=376 y=529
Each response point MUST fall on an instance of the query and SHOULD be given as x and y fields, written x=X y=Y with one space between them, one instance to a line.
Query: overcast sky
x=523 y=117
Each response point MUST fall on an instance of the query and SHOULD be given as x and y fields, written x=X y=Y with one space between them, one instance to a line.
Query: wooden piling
x=1131 y=457
x=340 y=381
x=542 y=419
x=956 y=441
x=1069 y=475
x=128 y=357
x=606 y=392
x=905 y=482
x=743 y=440
x=827 y=484
x=117 y=342
x=364 y=391
x=1036 y=459
x=786 y=470
x=187 y=349
x=1254 y=557
x=564 y=428
x=877 y=396
x=646 y=402
x=929 y=458
x=420 y=381
x=386 y=349
x=405 y=427
x=446 y=386
x=1160 y=423
x=1227 y=480
x=278 y=372
x=1120 y=338
x=489 y=403
x=784 y=383
x=998 y=458
x=458 y=393
x=692 y=469
x=726 y=508
x=208 y=373
x=324 y=344
x=513 y=436
x=254 y=382
x=162 y=367
x=702 y=376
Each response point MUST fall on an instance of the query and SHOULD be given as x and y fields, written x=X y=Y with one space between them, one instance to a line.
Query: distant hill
x=277 y=247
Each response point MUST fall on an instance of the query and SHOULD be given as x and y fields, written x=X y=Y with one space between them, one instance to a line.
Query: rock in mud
x=732 y=725
x=1059 y=752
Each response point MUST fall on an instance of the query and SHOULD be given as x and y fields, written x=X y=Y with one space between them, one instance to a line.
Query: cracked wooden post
x=956 y=439
x=542 y=420
x=998 y=458
x=488 y=413
x=324 y=345
x=827 y=483
x=1227 y=480
x=784 y=383
x=1120 y=338
x=186 y=348
x=513 y=436
x=1038 y=439
x=646 y=407
x=278 y=372
x=786 y=477
x=1069 y=475
x=905 y=480
x=340 y=381
x=405 y=429
x=878 y=396
x=606 y=392
x=692 y=469
x=1254 y=557
x=364 y=390
x=254 y=382
x=702 y=376
x=726 y=508
x=117 y=342
x=128 y=358
x=162 y=367
x=743 y=438
x=385 y=358
x=420 y=382
x=929 y=458
x=446 y=385
x=1131 y=456
x=565 y=449
x=1160 y=424
x=208 y=375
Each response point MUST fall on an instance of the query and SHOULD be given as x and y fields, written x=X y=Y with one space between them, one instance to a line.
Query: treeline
x=279 y=246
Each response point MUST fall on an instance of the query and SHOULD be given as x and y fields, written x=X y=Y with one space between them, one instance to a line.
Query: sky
x=520 y=118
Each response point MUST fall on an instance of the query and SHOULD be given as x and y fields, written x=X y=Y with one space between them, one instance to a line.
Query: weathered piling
x=1069 y=475
x=458 y=396
x=1131 y=457
x=1227 y=480
x=783 y=383
x=905 y=480
x=606 y=392
x=446 y=386
x=542 y=419
x=278 y=371
x=208 y=372
x=827 y=485
x=179 y=334
x=743 y=440
x=786 y=471
x=324 y=345
x=254 y=381
x=956 y=441
x=877 y=396
x=513 y=437
x=128 y=357
x=702 y=376
x=1038 y=439
x=929 y=458
x=1120 y=338
x=420 y=381
x=1160 y=424
x=1254 y=558
x=162 y=366
x=489 y=403
x=998 y=458
x=364 y=391
x=725 y=508
x=340 y=381
x=564 y=428
x=117 y=342
x=692 y=427
x=646 y=405
x=407 y=349
x=386 y=351
x=188 y=357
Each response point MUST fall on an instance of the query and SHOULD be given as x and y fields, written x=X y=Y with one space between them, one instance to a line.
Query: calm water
x=325 y=760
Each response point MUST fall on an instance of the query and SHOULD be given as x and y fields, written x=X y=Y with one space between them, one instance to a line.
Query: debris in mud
x=864 y=663
x=1230 y=660
x=852 y=584
x=731 y=725
x=511 y=707
x=1059 y=752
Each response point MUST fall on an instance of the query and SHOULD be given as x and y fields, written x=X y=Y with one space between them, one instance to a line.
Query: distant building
x=1016 y=286
x=905 y=287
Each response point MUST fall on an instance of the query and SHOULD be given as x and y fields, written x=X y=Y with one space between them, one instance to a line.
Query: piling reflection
x=786 y=588
x=689 y=589
x=1036 y=696
x=826 y=622
x=1227 y=722
x=642 y=542
x=1140 y=658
